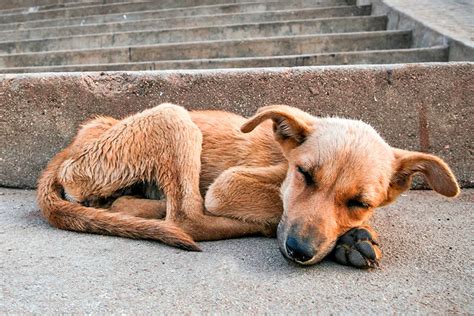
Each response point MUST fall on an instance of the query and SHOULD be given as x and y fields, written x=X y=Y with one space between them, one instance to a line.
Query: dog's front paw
x=357 y=248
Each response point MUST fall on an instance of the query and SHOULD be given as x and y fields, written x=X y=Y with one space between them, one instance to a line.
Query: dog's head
x=339 y=171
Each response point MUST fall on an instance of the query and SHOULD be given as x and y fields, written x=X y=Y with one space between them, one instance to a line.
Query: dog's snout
x=299 y=250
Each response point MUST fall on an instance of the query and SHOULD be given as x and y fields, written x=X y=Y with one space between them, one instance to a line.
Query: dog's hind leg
x=176 y=164
x=133 y=150
x=178 y=176
x=162 y=146
x=184 y=203
x=178 y=171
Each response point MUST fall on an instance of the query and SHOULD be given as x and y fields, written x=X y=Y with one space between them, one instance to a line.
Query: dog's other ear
x=434 y=169
x=290 y=125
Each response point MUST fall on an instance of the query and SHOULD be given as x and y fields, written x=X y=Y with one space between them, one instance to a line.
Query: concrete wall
x=425 y=107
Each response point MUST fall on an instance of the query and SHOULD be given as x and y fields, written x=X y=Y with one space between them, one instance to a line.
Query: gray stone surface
x=25 y=4
x=252 y=47
x=40 y=113
x=147 y=23
x=208 y=33
x=174 y=12
x=453 y=18
x=451 y=125
x=202 y=30
x=433 y=22
x=427 y=268
x=407 y=55
x=135 y=6
x=19 y=6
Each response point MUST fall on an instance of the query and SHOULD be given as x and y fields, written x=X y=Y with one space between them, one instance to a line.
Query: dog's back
x=225 y=146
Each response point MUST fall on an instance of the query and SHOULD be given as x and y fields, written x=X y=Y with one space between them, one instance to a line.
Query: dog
x=313 y=182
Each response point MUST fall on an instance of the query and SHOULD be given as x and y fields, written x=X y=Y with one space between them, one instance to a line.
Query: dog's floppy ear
x=434 y=169
x=290 y=125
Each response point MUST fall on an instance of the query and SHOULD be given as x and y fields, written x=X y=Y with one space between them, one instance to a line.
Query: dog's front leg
x=249 y=195
x=358 y=248
x=144 y=208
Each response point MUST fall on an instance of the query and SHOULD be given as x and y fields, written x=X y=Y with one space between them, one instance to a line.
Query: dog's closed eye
x=308 y=178
x=356 y=203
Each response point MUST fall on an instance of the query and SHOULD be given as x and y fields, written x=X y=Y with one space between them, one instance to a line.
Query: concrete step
x=402 y=56
x=293 y=45
x=33 y=6
x=11 y=6
x=221 y=32
x=188 y=21
x=25 y=4
x=56 y=6
x=247 y=7
x=423 y=107
x=126 y=7
x=37 y=8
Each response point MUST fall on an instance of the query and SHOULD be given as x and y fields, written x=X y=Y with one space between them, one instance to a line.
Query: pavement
x=427 y=268
x=453 y=18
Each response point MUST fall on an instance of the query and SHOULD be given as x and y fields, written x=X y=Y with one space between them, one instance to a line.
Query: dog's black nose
x=298 y=250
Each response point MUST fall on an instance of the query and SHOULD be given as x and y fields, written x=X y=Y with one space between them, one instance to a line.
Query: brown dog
x=317 y=179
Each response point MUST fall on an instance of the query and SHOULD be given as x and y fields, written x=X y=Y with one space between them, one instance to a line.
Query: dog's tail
x=68 y=215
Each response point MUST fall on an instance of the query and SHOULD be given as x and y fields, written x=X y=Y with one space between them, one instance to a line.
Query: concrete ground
x=427 y=268
x=453 y=18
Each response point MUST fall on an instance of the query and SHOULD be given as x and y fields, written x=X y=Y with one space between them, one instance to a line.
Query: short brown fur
x=315 y=179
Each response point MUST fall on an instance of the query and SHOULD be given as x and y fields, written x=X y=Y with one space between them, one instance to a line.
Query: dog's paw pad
x=366 y=249
x=357 y=248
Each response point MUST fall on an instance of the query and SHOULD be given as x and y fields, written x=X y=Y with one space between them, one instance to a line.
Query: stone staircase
x=425 y=107
x=199 y=34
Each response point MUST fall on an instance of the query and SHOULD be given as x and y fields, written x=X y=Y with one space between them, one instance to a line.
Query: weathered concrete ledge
x=419 y=107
